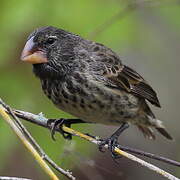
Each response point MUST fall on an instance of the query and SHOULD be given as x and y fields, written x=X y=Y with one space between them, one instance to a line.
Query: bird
x=89 y=81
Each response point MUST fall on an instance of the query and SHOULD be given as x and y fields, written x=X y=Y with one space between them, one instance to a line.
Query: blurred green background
x=147 y=39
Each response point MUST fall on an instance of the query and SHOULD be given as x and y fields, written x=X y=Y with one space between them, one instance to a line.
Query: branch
x=130 y=7
x=150 y=155
x=12 y=178
x=123 y=153
x=21 y=136
x=42 y=121
x=31 y=144
x=120 y=15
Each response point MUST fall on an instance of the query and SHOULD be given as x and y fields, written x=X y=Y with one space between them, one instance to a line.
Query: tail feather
x=147 y=132
x=164 y=133
x=153 y=122
x=160 y=128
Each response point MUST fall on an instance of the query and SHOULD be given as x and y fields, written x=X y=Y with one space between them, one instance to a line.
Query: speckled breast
x=90 y=102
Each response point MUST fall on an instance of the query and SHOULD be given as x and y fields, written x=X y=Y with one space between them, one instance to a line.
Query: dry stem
x=42 y=121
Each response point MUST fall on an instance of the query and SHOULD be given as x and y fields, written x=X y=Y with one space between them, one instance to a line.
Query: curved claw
x=57 y=123
x=53 y=132
x=112 y=143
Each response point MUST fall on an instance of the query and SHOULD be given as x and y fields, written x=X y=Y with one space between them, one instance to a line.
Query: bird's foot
x=112 y=143
x=57 y=124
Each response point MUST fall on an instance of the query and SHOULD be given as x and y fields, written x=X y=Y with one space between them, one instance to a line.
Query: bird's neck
x=46 y=71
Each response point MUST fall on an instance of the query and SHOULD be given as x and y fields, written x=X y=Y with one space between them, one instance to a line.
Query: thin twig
x=42 y=121
x=67 y=173
x=120 y=15
x=123 y=153
x=12 y=178
x=27 y=144
x=149 y=155
x=130 y=7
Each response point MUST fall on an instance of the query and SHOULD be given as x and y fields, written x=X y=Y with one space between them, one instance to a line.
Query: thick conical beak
x=32 y=54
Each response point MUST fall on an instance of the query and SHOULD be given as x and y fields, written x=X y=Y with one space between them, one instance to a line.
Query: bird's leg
x=112 y=141
x=54 y=124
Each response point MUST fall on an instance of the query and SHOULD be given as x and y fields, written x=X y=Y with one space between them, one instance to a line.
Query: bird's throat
x=46 y=71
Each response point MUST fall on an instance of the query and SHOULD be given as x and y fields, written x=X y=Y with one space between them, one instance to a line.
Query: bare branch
x=128 y=9
x=150 y=155
x=12 y=178
x=42 y=121
x=43 y=155
x=120 y=15
x=27 y=144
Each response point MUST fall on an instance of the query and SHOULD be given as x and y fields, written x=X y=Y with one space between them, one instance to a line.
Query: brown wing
x=126 y=78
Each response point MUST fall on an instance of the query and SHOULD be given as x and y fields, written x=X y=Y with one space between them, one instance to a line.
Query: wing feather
x=131 y=81
x=116 y=75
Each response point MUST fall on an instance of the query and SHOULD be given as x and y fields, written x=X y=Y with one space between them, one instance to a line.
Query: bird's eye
x=51 y=40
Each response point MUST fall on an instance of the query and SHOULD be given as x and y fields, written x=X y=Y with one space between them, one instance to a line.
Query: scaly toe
x=112 y=143
x=101 y=146
x=57 y=124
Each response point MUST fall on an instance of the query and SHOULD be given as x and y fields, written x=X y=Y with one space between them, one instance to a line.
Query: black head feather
x=59 y=48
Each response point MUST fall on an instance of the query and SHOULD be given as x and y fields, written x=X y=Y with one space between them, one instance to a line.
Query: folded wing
x=126 y=78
